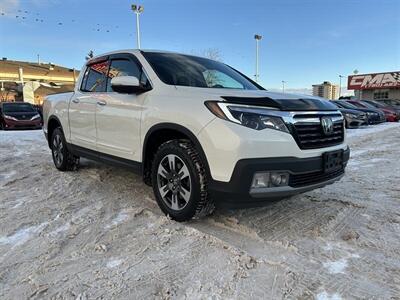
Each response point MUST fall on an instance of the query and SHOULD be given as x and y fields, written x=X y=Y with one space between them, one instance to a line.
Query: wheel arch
x=161 y=133
x=53 y=123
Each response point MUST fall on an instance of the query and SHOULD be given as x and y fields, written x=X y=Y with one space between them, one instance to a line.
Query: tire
x=181 y=191
x=62 y=158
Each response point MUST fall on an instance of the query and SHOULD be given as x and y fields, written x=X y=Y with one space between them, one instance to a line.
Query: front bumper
x=305 y=174
x=376 y=119
x=22 y=124
x=355 y=122
x=392 y=118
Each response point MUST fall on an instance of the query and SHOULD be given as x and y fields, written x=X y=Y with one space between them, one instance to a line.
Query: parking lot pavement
x=99 y=233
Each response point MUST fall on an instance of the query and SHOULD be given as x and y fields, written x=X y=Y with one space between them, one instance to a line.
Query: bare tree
x=211 y=75
x=212 y=53
x=90 y=55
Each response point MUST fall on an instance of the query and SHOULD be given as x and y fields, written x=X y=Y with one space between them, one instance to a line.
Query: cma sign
x=374 y=81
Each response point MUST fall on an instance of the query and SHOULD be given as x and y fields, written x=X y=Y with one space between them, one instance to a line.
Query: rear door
x=82 y=109
x=118 y=116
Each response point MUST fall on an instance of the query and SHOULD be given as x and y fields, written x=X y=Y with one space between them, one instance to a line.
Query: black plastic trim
x=301 y=104
x=105 y=158
x=52 y=117
x=183 y=130
x=259 y=101
x=235 y=193
x=97 y=60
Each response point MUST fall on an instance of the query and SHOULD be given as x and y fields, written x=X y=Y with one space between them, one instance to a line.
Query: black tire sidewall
x=64 y=164
x=190 y=210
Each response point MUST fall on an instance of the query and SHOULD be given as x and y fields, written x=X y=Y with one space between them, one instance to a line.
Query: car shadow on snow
x=307 y=215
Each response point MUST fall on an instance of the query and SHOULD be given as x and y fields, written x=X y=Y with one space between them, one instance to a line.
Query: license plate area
x=333 y=161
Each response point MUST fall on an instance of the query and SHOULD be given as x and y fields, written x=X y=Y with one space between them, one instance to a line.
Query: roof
x=136 y=51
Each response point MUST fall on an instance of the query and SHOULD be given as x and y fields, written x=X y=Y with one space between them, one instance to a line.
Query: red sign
x=374 y=81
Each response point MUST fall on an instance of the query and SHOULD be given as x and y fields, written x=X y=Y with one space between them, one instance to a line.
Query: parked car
x=353 y=118
x=19 y=115
x=391 y=103
x=390 y=115
x=200 y=132
x=375 y=116
x=383 y=105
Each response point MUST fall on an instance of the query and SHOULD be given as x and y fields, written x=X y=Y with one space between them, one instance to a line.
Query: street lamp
x=283 y=86
x=258 y=39
x=340 y=85
x=137 y=9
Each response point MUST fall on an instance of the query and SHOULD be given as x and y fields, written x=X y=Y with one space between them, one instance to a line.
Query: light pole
x=283 y=86
x=258 y=39
x=340 y=85
x=137 y=9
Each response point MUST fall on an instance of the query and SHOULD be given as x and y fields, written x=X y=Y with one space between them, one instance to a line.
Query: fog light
x=260 y=180
x=270 y=179
x=279 y=179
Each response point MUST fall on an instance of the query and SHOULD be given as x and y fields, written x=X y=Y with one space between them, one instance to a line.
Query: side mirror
x=127 y=85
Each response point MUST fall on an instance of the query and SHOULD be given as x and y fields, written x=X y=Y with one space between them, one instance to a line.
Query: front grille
x=312 y=136
x=23 y=118
x=25 y=126
x=299 y=180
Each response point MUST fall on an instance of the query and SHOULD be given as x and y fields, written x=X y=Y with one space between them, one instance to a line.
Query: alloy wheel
x=174 y=182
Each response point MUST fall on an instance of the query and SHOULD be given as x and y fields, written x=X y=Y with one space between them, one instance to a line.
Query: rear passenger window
x=95 y=77
x=122 y=67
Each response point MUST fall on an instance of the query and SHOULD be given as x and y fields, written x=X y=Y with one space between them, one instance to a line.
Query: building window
x=381 y=95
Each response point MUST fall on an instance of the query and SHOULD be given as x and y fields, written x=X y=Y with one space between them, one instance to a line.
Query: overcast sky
x=304 y=41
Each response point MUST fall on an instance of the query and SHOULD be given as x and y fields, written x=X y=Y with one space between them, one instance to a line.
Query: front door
x=118 y=115
x=82 y=108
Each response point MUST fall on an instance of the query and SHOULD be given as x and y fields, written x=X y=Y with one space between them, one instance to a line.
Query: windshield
x=346 y=105
x=186 y=70
x=368 y=105
x=17 y=107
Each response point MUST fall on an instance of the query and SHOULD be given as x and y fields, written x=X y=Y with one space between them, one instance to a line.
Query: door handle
x=102 y=103
x=75 y=100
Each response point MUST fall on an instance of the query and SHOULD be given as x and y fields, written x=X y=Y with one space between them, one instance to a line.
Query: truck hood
x=285 y=102
x=350 y=111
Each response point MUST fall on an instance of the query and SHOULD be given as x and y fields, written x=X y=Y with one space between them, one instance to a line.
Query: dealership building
x=375 y=86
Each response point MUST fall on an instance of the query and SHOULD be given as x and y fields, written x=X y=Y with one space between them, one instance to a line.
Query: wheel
x=62 y=158
x=179 y=181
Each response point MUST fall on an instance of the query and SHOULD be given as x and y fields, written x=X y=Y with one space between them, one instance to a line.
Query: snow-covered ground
x=99 y=233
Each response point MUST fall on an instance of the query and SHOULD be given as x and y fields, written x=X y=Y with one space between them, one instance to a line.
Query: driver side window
x=94 y=78
x=124 y=67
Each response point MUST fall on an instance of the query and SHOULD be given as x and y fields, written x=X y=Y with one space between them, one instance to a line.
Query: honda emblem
x=327 y=125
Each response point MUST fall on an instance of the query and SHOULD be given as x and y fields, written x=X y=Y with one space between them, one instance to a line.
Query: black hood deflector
x=301 y=104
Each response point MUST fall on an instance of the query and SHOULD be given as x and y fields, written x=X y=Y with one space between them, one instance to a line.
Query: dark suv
x=19 y=115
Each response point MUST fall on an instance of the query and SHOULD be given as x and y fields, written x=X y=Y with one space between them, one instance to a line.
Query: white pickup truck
x=200 y=132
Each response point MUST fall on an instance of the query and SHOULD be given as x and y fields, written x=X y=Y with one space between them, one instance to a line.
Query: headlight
x=10 y=118
x=251 y=117
x=352 y=116
x=37 y=116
